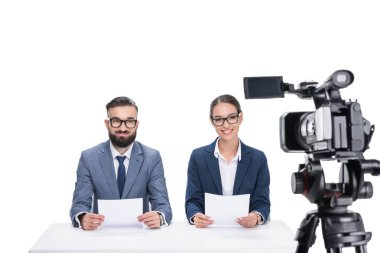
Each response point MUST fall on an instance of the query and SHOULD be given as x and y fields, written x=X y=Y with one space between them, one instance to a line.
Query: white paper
x=121 y=213
x=224 y=210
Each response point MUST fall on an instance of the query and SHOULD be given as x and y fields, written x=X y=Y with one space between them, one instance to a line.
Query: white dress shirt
x=227 y=170
x=116 y=153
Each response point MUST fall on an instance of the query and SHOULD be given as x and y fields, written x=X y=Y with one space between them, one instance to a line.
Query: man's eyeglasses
x=129 y=123
x=219 y=121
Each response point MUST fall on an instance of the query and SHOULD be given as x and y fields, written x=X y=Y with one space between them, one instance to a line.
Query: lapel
x=134 y=168
x=242 y=168
x=106 y=163
x=213 y=166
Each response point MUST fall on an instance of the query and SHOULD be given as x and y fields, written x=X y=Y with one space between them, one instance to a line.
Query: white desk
x=180 y=237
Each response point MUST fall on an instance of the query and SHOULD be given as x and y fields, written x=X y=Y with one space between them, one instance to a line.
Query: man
x=120 y=168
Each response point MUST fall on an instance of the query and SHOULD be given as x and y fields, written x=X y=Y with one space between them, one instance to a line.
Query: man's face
x=122 y=125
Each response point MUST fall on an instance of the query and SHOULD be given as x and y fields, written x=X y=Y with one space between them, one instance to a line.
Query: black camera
x=335 y=129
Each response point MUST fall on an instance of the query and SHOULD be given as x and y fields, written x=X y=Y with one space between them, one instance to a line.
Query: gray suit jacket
x=96 y=179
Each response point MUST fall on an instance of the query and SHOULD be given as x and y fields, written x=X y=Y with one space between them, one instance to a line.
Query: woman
x=227 y=167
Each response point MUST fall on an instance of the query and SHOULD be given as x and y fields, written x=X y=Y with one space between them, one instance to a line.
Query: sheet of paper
x=121 y=213
x=224 y=210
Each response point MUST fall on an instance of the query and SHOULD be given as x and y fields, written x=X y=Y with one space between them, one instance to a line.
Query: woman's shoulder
x=205 y=149
x=202 y=149
x=255 y=151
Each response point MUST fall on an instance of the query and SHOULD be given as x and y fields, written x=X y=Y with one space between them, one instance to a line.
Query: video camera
x=336 y=130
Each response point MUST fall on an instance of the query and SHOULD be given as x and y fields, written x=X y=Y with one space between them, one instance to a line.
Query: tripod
x=340 y=227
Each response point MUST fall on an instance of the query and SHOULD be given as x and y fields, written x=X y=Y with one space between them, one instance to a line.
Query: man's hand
x=202 y=221
x=151 y=219
x=91 y=221
x=249 y=221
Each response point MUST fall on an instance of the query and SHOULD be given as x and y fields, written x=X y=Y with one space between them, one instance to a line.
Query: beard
x=122 y=142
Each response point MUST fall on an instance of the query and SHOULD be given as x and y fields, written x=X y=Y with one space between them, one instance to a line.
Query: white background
x=62 y=61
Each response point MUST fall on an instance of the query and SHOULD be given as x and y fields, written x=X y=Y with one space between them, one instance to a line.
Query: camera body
x=336 y=129
x=330 y=130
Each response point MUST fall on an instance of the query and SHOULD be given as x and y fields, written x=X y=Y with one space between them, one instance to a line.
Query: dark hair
x=121 y=101
x=225 y=99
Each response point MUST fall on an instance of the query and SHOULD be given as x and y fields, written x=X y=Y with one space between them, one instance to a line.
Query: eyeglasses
x=129 y=123
x=219 y=121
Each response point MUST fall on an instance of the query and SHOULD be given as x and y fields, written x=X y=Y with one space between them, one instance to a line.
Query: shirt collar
x=217 y=153
x=115 y=153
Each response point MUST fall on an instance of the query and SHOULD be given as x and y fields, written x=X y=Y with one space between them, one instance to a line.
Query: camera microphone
x=338 y=80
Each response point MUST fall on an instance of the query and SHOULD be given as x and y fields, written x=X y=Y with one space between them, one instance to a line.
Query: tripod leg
x=337 y=250
x=306 y=233
x=358 y=249
x=361 y=249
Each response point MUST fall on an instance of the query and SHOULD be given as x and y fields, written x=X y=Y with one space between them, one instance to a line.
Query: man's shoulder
x=99 y=147
x=144 y=148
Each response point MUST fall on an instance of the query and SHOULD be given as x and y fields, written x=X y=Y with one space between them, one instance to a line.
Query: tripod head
x=310 y=181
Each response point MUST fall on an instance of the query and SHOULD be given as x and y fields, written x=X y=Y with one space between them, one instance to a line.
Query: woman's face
x=226 y=121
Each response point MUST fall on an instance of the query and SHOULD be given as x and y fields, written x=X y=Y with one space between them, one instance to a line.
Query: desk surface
x=272 y=237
